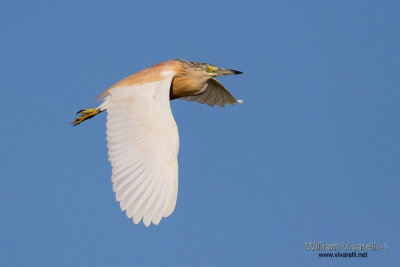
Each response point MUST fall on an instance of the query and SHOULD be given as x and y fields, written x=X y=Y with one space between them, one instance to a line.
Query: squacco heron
x=142 y=135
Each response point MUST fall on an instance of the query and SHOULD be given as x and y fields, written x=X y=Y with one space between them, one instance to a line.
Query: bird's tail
x=85 y=114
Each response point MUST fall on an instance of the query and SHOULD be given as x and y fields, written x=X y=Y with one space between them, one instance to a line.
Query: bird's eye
x=211 y=69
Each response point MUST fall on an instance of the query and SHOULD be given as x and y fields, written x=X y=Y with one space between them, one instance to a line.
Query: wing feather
x=143 y=146
x=215 y=94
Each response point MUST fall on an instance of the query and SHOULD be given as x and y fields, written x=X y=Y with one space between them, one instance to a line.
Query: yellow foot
x=85 y=114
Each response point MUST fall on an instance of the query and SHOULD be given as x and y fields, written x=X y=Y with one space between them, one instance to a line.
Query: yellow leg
x=85 y=114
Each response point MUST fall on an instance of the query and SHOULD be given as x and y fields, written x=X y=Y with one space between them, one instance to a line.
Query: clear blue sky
x=312 y=155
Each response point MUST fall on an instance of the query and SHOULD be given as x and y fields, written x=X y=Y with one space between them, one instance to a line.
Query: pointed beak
x=221 y=72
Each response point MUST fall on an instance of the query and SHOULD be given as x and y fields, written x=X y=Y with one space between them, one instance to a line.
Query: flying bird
x=142 y=135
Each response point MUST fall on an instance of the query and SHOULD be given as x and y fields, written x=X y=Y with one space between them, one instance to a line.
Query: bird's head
x=206 y=70
x=192 y=78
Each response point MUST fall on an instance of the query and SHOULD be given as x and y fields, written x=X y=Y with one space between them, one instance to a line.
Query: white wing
x=143 y=146
x=215 y=94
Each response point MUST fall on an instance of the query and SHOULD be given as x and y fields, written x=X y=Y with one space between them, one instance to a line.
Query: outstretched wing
x=143 y=146
x=215 y=94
